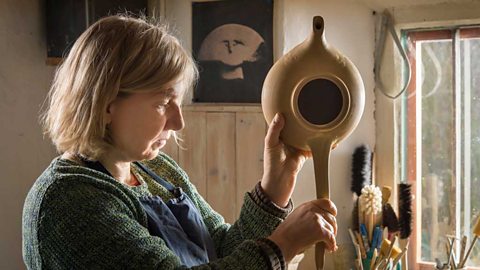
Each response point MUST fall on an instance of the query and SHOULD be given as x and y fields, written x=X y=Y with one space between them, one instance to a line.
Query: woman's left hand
x=281 y=164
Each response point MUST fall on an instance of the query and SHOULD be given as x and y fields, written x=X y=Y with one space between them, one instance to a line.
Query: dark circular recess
x=320 y=101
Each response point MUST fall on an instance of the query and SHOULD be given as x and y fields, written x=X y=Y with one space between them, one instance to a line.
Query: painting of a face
x=232 y=42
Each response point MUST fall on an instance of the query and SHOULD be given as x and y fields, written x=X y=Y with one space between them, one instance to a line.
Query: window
x=440 y=138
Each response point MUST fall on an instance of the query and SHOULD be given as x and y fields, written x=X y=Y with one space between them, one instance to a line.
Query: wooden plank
x=192 y=154
x=221 y=164
x=250 y=137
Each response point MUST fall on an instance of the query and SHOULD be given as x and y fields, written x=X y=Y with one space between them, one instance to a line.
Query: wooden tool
x=463 y=246
x=399 y=257
x=358 y=259
x=476 y=232
x=321 y=95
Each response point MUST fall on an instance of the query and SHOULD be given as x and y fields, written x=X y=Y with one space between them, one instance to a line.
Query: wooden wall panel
x=193 y=151
x=222 y=152
x=250 y=136
x=221 y=164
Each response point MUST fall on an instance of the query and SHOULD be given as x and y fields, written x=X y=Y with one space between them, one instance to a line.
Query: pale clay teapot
x=321 y=95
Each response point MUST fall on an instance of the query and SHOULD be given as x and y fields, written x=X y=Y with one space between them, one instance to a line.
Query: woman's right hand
x=310 y=223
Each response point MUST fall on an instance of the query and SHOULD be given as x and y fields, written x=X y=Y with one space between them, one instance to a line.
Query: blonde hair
x=115 y=56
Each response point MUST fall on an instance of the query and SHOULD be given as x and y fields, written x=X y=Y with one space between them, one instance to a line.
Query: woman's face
x=141 y=123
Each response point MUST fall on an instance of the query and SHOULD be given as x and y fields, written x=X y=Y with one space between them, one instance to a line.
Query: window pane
x=437 y=151
x=470 y=53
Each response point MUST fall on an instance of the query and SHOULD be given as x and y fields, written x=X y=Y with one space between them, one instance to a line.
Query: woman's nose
x=175 y=121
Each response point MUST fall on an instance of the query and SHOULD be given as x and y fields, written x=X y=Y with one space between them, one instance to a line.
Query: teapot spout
x=318 y=32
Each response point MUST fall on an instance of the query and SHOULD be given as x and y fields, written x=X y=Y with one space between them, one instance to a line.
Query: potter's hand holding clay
x=281 y=164
x=308 y=224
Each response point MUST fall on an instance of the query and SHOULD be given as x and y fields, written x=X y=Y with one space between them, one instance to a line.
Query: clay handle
x=321 y=160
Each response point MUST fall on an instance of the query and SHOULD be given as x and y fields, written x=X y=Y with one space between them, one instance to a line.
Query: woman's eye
x=163 y=105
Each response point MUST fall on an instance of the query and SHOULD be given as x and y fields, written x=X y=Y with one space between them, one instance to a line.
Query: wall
x=24 y=81
x=349 y=27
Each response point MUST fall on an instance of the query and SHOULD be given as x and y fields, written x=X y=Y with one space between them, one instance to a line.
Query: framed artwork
x=233 y=45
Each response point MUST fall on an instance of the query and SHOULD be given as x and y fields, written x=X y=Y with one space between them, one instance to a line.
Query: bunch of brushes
x=378 y=233
x=452 y=262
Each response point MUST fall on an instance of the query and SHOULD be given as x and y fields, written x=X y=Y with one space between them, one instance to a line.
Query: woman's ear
x=109 y=112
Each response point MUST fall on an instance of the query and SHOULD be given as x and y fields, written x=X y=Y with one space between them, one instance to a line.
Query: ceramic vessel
x=321 y=95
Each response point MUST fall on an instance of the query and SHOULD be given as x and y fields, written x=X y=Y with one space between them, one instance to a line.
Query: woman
x=113 y=200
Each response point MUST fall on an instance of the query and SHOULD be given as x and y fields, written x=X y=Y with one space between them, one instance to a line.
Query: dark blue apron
x=176 y=221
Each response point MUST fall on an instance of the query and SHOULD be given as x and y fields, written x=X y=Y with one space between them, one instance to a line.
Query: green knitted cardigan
x=78 y=218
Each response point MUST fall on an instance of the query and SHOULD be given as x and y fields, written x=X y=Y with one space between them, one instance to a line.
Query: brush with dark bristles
x=405 y=218
x=405 y=209
x=389 y=217
x=355 y=221
x=361 y=169
x=361 y=176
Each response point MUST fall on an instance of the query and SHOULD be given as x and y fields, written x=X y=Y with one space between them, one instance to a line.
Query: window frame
x=408 y=137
